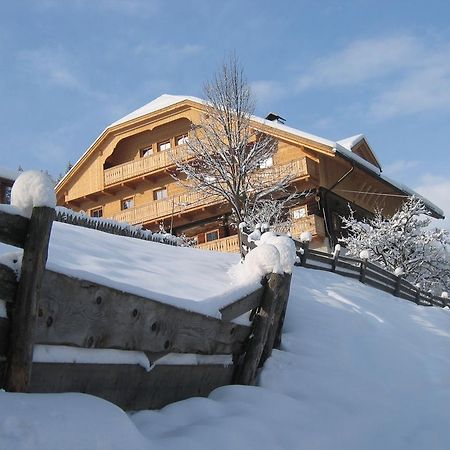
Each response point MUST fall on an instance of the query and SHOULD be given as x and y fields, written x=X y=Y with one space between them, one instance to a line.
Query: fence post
x=24 y=308
x=337 y=250
x=276 y=327
x=362 y=271
x=246 y=369
x=304 y=255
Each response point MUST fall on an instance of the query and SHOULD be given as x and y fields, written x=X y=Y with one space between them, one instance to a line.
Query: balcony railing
x=230 y=244
x=164 y=208
x=143 y=166
x=164 y=159
x=314 y=224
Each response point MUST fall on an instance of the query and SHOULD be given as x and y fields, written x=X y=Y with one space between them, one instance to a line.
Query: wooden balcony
x=162 y=160
x=228 y=244
x=314 y=224
x=143 y=166
x=167 y=207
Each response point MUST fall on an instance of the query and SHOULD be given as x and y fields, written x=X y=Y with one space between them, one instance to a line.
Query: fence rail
x=367 y=273
x=67 y=314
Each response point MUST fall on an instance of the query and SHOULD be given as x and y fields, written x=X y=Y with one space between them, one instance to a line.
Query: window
x=180 y=140
x=212 y=235
x=299 y=213
x=127 y=203
x=266 y=163
x=96 y=212
x=147 y=151
x=160 y=194
x=163 y=146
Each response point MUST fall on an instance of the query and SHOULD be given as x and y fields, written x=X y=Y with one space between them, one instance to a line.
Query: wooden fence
x=367 y=273
x=114 y=227
x=189 y=354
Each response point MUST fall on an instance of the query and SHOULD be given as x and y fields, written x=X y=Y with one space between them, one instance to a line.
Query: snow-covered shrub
x=406 y=241
x=32 y=188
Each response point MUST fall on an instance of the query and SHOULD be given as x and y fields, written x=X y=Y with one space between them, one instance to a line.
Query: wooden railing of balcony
x=177 y=204
x=313 y=224
x=228 y=244
x=143 y=166
x=164 y=208
x=164 y=159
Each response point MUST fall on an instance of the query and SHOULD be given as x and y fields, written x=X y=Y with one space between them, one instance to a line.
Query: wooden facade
x=126 y=175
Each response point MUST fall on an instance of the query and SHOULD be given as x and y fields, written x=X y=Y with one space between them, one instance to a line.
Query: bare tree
x=225 y=156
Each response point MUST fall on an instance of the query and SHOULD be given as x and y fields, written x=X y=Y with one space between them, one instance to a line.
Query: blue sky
x=333 y=68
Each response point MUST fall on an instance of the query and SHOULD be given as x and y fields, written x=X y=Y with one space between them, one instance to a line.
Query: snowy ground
x=359 y=369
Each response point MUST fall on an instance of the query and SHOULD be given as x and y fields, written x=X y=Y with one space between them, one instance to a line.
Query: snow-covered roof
x=342 y=147
x=160 y=102
x=374 y=170
x=8 y=174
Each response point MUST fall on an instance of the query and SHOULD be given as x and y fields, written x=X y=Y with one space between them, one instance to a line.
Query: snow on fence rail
x=367 y=273
x=111 y=226
x=362 y=270
x=64 y=334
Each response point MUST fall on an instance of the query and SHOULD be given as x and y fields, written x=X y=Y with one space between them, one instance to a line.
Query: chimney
x=275 y=118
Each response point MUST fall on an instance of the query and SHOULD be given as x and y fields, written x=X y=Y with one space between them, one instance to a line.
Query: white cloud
x=405 y=75
x=53 y=66
x=400 y=166
x=437 y=189
x=266 y=91
x=360 y=61
x=425 y=89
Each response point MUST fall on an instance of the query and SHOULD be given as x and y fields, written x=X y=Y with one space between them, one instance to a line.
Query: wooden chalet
x=125 y=175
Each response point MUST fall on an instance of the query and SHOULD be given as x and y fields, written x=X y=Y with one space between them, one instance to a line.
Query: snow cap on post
x=444 y=294
x=306 y=236
x=32 y=188
x=364 y=254
x=398 y=272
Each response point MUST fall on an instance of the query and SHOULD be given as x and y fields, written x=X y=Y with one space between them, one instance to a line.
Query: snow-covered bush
x=32 y=188
x=405 y=241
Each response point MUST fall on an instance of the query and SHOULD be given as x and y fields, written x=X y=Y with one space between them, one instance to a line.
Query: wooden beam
x=13 y=229
x=246 y=369
x=8 y=283
x=24 y=313
x=86 y=314
x=130 y=386
x=243 y=305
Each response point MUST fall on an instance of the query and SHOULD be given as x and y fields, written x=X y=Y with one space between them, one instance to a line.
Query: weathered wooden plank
x=130 y=386
x=380 y=278
x=377 y=285
x=8 y=283
x=243 y=305
x=246 y=369
x=348 y=266
x=374 y=268
x=4 y=336
x=24 y=312
x=350 y=260
x=86 y=314
x=354 y=275
x=13 y=229
x=321 y=258
x=276 y=327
